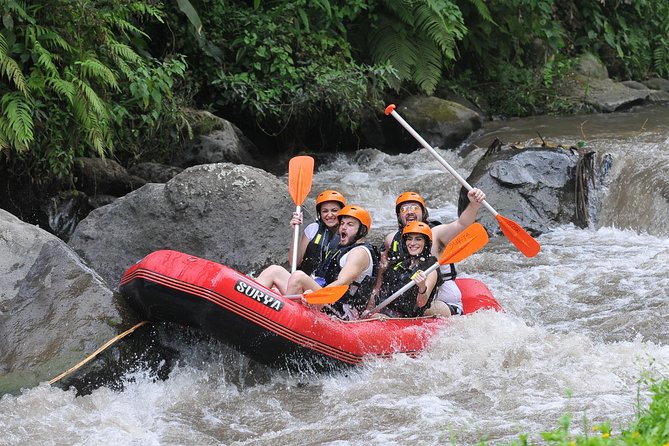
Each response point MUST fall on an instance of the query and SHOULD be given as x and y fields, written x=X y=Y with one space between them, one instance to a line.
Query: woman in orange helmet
x=417 y=240
x=410 y=207
x=319 y=236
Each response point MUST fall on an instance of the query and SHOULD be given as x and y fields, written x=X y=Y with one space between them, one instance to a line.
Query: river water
x=584 y=328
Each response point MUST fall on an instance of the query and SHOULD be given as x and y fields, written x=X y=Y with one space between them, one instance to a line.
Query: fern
x=417 y=37
x=61 y=87
x=427 y=71
x=17 y=110
x=45 y=60
x=92 y=69
x=10 y=68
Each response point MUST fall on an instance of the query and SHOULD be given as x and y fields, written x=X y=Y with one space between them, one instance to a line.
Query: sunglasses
x=410 y=208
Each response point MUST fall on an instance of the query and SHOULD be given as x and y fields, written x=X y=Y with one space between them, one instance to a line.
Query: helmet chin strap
x=362 y=231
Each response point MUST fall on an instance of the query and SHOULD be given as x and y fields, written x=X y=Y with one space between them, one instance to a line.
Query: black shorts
x=454 y=310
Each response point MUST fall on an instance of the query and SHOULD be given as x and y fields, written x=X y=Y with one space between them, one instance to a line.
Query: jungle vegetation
x=112 y=78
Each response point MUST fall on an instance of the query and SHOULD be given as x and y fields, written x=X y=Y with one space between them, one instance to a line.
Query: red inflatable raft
x=171 y=286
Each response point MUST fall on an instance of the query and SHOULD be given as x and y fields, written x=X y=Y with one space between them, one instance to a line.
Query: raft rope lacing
x=99 y=350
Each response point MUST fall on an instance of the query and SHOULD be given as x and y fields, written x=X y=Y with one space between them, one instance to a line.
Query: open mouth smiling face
x=415 y=244
x=411 y=211
x=328 y=213
x=348 y=229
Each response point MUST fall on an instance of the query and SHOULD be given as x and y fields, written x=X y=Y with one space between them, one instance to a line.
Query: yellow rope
x=98 y=351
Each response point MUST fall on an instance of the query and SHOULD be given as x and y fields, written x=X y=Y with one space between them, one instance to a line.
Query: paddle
x=300 y=173
x=473 y=238
x=512 y=230
x=325 y=295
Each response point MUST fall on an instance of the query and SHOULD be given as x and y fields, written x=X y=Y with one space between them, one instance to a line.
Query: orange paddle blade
x=326 y=295
x=300 y=173
x=518 y=236
x=466 y=243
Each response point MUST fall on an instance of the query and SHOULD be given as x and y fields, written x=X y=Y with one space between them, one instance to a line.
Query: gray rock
x=657 y=84
x=590 y=66
x=54 y=310
x=154 y=172
x=218 y=141
x=634 y=85
x=534 y=187
x=232 y=214
x=603 y=95
x=442 y=123
x=103 y=176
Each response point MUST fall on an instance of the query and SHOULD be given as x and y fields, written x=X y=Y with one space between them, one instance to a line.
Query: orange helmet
x=359 y=213
x=329 y=195
x=406 y=197
x=418 y=227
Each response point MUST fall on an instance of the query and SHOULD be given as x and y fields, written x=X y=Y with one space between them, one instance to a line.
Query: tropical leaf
x=92 y=69
x=93 y=101
x=10 y=68
x=17 y=110
x=416 y=37
x=187 y=8
x=61 y=87
x=389 y=43
x=45 y=60
x=428 y=68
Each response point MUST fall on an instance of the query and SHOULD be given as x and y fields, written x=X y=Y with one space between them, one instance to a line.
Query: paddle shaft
x=439 y=158
x=390 y=299
x=296 y=240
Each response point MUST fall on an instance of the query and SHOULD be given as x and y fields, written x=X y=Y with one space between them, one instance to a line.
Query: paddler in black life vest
x=417 y=241
x=353 y=262
x=409 y=207
x=320 y=236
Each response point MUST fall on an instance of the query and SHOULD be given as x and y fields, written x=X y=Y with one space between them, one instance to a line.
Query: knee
x=272 y=270
x=438 y=308
x=297 y=277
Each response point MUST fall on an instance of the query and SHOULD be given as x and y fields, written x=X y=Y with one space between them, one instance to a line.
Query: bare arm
x=383 y=265
x=426 y=285
x=443 y=234
x=356 y=263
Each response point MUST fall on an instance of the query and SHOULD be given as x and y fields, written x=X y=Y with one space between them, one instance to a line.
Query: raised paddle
x=300 y=174
x=325 y=295
x=512 y=230
x=473 y=238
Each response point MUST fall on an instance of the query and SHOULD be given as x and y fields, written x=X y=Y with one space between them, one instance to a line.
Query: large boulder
x=216 y=140
x=440 y=122
x=103 y=176
x=232 y=214
x=590 y=85
x=535 y=187
x=54 y=310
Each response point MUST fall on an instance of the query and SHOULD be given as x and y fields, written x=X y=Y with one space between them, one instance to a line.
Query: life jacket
x=318 y=247
x=398 y=252
x=358 y=292
x=398 y=275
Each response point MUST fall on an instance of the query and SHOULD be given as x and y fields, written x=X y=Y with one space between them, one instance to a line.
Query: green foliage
x=149 y=118
x=650 y=429
x=631 y=37
x=286 y=63
x=417 y=38
x=64 y=70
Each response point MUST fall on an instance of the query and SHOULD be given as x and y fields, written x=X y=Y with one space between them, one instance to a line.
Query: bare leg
x=274 y=275
x=438 y=308
x=299 y=282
